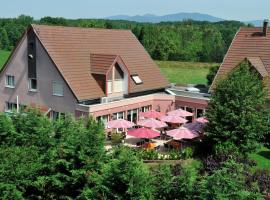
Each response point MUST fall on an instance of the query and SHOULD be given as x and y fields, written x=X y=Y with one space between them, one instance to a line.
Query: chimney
x=265 y=27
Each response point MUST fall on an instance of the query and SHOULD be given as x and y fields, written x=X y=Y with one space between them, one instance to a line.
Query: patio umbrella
x=180 y=113
x=120 y=123
x=151 y=114
x=182 y=133
x=195 y=127
x=202 y=120
x=174 y=119
x=143 y=133
x=152 y=123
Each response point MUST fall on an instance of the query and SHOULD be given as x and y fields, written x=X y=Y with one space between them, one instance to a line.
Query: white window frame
x=7 y=84
x=30 y=85
x=53 y=89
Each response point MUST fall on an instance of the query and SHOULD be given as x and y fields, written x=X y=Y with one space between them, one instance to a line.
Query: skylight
x=136 y=79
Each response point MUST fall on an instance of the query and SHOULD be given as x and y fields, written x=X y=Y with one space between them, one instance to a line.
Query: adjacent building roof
x=70 y=49
x=250 y=44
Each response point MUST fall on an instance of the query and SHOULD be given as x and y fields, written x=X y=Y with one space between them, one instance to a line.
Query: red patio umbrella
x=174 y=119
x=202 y=120
x=120 y=123
x=151 y=114
x=143 y=133
x=182 y=133
x=152 y=123
x=180 y=113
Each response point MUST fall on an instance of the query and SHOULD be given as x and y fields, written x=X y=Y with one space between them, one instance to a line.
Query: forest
x=179 y=41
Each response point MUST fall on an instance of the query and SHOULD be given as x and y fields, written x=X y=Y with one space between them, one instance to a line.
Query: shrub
x=262 y=177
x=117 y=138
x=7 y=130
x=227 y=182
x=187 y=152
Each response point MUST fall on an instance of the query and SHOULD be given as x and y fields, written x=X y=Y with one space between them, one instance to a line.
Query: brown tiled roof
x=100 y=63
x=70 y=49
x=249 y=43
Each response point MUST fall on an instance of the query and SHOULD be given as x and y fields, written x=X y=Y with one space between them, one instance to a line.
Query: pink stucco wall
x=46 y=74
x=162 y=102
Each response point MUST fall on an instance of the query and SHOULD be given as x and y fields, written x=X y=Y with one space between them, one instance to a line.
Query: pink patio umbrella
x=120 y=123
x=151 y=114
x=181 y=113
x=182 y=133
x=195 y=127
x=151 y=123
x=202 y=120
x=173 y=119
x=143 y=133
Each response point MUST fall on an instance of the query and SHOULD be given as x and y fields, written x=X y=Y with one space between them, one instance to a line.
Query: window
x=137 y=80
x=10 y=81
x=58 y=89
x=57 y=115
x=119 y=115
x=199 y=113
x=10 y=106
x=104 y=119
x=32 y=84
x=146 y=108
x=189 y=110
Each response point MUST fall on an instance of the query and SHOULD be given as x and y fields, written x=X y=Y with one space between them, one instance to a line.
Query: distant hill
x=176 y=17
x=167 y=18
x=256 y=23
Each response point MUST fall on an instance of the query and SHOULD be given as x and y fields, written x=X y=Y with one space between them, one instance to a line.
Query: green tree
x=126 y=177
x=19 y=168
x=211 y=74
x=4 y=39
x=33 y=129
x=237 y=111
x=78 y=153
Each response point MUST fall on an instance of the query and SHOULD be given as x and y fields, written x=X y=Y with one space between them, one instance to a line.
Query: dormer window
x=137 y=80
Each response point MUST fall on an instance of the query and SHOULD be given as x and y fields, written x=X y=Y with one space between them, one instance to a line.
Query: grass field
x=185 y=72
x=262 y=158
x=3 y=57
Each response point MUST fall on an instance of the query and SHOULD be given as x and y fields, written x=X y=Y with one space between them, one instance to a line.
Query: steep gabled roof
x=70 y=49
x=250 y=44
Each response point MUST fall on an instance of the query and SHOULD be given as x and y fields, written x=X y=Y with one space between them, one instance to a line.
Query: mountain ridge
x=181 y=16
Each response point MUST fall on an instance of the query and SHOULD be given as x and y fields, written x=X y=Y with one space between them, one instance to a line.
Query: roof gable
x=70 y=50
x=101 y=63
x=247 y=44
x=257 y=63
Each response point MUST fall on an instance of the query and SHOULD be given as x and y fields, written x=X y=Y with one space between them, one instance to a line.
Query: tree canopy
x=237 y=111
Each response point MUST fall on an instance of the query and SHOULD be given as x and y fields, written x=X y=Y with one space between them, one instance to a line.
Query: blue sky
x=227 y=9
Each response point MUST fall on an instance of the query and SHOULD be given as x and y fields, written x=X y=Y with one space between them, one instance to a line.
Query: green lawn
x=3 y=57
x=262 y=158
x=185 y=72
